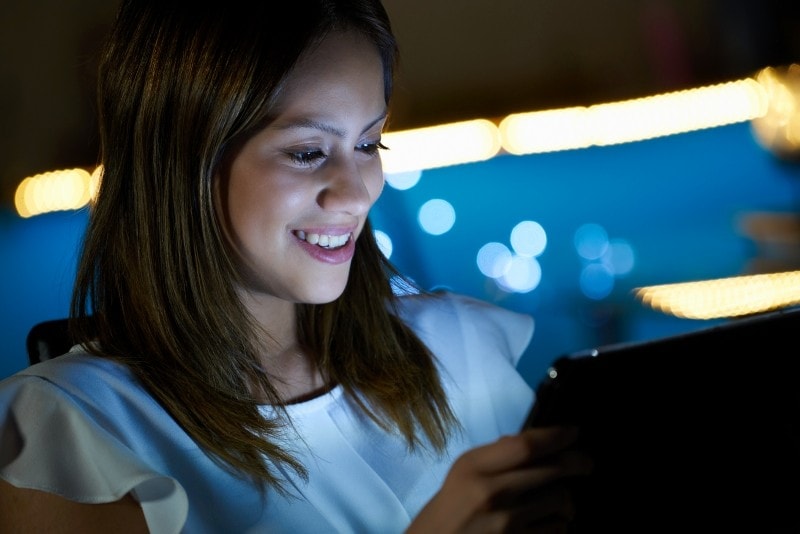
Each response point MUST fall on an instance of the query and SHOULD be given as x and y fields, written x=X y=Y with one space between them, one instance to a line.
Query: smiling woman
x=239 y=340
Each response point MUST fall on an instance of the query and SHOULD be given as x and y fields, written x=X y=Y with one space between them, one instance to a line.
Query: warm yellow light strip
x=67 y=189
x=633 y=120
x=778 y=130
x=724 y=297
x=535 y=132
x=440 y=146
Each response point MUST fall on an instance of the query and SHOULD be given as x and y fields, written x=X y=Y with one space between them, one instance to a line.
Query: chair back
x=48 y=339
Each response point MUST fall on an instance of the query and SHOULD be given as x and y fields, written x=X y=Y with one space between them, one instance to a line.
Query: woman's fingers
x=548 y=510
x=510 y=452
x=515 y=485
x=511 y=482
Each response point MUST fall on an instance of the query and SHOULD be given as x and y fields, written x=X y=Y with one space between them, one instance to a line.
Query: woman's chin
x=324 y=295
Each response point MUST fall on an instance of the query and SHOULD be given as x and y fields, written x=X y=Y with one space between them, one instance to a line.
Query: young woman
x=247 y=363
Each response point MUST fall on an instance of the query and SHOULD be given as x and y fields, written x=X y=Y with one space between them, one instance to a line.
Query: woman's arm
x=510 y=485
x=26 y=510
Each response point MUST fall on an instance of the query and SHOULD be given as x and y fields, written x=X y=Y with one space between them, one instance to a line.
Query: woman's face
x=295 y=196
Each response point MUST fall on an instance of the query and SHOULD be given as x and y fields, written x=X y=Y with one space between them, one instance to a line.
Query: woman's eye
x=306 y=157
x=371 y=148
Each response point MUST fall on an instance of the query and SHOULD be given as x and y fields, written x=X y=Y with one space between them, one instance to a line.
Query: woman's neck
x=293 y=370
x=296 y=376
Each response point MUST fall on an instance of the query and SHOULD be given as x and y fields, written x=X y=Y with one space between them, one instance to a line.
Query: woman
x=245 y=364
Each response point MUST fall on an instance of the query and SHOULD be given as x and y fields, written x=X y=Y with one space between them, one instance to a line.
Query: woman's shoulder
x=444 y=318
x=478 y=345
x=96 y=390
x=78 y=372
x=91 y=414
x=76 y=361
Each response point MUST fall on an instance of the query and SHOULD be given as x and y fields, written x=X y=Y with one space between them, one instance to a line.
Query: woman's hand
x=509 y=485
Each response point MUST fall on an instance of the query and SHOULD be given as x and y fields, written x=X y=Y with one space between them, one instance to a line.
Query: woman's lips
x=333 y=248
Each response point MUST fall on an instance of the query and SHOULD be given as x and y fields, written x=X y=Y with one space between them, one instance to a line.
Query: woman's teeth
x=323 y=240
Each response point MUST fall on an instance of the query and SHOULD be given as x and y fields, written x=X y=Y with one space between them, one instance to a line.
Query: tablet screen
x=697 y=431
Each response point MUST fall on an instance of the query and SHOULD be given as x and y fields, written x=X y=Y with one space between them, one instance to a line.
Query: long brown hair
x=155 y=283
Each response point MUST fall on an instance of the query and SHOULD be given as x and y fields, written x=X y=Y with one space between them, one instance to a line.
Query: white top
x=82 y=427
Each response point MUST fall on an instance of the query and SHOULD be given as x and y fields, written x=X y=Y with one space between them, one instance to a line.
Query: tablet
x=698 y=432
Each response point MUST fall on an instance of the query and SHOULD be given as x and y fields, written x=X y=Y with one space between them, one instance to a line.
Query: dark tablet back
x=694 y=433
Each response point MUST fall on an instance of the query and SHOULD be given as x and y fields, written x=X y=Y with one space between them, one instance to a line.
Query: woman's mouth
x=324 y=240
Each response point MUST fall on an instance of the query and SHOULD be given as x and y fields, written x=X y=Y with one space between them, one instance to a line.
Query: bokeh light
x=384 y=243
x=494 y=259
x=596 y=281
x=437 y=216
x=528 y=238
x=621 y=258
x=522 y=276
x=591 y=241
x=403 y=180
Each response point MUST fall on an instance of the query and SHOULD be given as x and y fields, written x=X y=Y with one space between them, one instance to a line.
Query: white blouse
x=82 y=427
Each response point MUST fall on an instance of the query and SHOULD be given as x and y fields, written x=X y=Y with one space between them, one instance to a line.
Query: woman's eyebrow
x=306 y=122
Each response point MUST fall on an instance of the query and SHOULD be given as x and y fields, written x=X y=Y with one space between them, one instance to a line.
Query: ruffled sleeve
x=478 y=346
x=50 y=442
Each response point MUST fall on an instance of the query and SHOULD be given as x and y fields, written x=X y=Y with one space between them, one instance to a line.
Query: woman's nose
x=350 y=188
